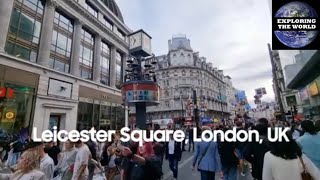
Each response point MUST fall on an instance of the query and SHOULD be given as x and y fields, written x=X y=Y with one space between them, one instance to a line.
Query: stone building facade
x=61 y=64
x=180 y=72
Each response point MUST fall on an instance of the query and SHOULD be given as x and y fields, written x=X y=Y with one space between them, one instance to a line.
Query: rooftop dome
x=112 y=5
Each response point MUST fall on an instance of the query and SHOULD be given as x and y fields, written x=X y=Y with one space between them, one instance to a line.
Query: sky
x=232 y=34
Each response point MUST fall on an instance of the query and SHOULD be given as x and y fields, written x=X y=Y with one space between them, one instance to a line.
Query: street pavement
x=185 y=170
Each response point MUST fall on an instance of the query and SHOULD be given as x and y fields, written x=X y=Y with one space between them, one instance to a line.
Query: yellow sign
x=9 y=115
x=215 y=120
x=313 y=89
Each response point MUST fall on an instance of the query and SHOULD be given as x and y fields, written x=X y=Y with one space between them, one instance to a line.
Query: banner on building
x=304 y=94
x=313 y=89
x=241 y=95
x=261 y=91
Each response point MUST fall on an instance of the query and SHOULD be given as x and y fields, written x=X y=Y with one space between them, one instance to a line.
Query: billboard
x=304 y=94
x=313 y=89
x=261 y=91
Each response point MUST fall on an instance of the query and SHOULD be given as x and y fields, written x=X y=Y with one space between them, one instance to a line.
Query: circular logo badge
x=295 y=12
x=9 y=115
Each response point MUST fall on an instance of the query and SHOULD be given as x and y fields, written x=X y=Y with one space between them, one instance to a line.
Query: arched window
x=183 y=73
x=166 y=93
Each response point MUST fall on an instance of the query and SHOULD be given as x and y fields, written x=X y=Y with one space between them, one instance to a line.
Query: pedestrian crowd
x=297 y=159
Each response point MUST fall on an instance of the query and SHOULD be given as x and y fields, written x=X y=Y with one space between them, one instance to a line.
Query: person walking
x=310 y=142
x=183 y=144
x=80 y=169
x=66 y=159
x=207 y=159
x=190 y=135
x=229 y=160
x=27 y=168
x=286 y=161
x=173 y=155
x=254 y=151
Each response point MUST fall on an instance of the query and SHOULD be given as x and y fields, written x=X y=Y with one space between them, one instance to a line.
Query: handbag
x=204 y=153
x=305 y=175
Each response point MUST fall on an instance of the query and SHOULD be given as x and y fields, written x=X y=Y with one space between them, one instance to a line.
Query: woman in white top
x=27 y=168
x=283 y=162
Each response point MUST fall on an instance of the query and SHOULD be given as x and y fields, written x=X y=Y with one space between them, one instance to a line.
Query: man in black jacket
x=254 y=151
x=173 y=154
x=228 y=158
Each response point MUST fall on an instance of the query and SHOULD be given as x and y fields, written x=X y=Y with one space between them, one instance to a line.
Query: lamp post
x=140 y=88
x=220 y=94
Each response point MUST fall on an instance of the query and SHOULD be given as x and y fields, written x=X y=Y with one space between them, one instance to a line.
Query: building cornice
x=188 y=67
x=107 y=12
x=78 y=12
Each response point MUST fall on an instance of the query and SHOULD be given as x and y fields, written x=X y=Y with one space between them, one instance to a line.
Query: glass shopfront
x=103 y=115
x=16 y=110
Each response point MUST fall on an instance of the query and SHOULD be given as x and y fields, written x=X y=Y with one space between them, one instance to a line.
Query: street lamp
x=140 y=88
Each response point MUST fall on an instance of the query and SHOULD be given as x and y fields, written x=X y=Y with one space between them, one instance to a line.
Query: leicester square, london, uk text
x=140 y=136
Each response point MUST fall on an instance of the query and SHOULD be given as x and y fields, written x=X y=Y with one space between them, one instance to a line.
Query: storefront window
x=16 y=108
x=85 y=111
x=105 y=117
x=100 y=116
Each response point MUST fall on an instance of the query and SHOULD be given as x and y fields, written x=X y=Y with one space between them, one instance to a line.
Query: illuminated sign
x=9 y=115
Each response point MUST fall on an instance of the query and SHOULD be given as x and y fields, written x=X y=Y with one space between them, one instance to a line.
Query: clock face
x=135 y=40
x=147 y=43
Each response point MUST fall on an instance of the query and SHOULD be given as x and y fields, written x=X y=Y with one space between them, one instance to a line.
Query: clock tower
x=140 y=44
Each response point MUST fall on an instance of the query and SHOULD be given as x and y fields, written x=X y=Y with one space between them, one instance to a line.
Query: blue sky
x=232 y=34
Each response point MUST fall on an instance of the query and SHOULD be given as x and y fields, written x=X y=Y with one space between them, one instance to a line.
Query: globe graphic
x=296 y=39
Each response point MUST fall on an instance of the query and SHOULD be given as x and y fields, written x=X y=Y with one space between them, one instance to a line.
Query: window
x=167 y=82
x=24 y=30
x=191 y=73
x=183 y=73
x=167 y=104
x=108 y=23
x=86 y=55
x=121 y=34
x=20 y=102
x=91 y=9
x=105 y=64
x=60 y=56
x=118 y=70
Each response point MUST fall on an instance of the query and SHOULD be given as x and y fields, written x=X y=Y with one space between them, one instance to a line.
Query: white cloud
x=233 y=35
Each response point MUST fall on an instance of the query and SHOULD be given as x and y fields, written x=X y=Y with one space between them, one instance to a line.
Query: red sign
x=10 y=93
x=3 y=92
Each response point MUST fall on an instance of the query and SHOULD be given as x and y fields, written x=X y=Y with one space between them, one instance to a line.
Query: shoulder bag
x=305 y=175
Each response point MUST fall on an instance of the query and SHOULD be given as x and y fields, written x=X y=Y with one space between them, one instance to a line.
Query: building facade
x=180 y=72
x=304 y=78
x=61 y=65
x=231 y=92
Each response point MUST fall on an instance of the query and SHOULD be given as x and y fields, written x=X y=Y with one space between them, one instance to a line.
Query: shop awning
x=307 y=74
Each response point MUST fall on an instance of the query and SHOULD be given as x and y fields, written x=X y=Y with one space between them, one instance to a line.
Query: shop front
x=17 y=100
x=100 y=109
